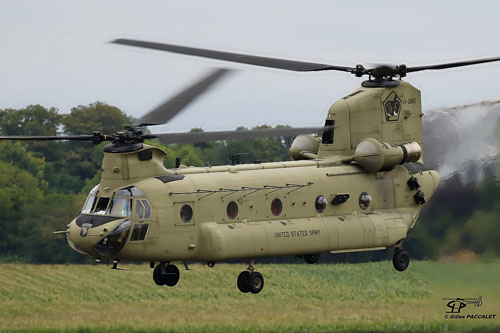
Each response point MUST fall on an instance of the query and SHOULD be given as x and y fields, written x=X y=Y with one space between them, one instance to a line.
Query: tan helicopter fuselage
x=324 y=202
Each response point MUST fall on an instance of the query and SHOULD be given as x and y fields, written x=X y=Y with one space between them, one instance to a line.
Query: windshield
x=121 y=204
x=91 y=200
x=120 y=207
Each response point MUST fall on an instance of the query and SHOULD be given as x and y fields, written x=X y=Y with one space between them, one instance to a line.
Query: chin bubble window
x=232 y=210
x=276 y=207
x=139 y=232
x=320 y=203
x=364 y=200
x=186 y=213
x=114 y=241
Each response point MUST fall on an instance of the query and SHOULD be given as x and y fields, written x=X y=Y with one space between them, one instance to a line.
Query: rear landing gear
x=243 y=282
x=250 y=281
x=400 y=260
x=166 y=275
x=311 y=258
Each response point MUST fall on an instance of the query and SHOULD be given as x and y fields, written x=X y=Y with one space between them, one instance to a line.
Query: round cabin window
x=232 y=210
x=364 y=200
x=320 y=204
x=186 y=213
x=276 y=207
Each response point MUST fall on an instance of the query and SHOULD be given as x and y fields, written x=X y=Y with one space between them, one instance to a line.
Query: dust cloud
x=463 y=140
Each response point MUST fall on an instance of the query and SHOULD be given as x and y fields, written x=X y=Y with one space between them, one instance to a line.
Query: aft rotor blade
x=48 y=138
x=192 y=137
x=170 y=108
x=292 y=65
x=452 y=64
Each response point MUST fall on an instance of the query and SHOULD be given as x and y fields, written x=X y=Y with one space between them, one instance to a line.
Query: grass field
x=296 y=297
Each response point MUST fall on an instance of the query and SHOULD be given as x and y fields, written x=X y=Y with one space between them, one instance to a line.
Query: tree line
x=44 y=184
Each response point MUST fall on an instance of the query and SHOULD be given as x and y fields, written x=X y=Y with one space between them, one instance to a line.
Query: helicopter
x=360 y=187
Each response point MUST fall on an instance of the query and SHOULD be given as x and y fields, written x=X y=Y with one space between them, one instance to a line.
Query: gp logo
x=457 y=304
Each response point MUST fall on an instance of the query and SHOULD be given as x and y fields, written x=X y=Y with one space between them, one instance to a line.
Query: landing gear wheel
x=210 y=264
x=311 y=258
x=157 y=276
x=243 y=281
x=172 y=275
x=401 y=260
x=255 y=282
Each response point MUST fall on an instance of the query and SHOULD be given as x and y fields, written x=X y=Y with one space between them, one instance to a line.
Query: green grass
x=303 y=298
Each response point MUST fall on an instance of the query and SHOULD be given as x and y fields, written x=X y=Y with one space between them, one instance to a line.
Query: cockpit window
x=130 y=191
x=120 y=207
x=138 y=210
x=91 y=201
x=147 y=209
x=100 y=208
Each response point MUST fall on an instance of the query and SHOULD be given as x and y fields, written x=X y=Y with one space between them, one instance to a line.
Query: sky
x=56 y=53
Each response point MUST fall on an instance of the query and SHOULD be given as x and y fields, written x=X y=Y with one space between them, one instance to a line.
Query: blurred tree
x=39 y=244
x=263 y=150
x=33 y=120
x=19 y=191
x=16 y=154
x=98 y=116
x=83 y=159
x=480 y=234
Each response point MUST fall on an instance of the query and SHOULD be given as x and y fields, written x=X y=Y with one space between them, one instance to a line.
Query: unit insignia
x=392 y=107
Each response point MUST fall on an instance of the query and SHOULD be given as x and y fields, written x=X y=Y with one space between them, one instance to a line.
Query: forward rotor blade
x=192 y=137
x=295 y=65
x=452 y=64
x=170 y=108
x=292 y=65
x=49 y=138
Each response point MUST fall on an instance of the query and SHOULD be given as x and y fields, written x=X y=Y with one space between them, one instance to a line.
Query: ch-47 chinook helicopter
x=361 y=187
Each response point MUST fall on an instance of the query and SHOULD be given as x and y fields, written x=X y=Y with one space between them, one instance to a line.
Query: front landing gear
x=400 y=260
x=250 y=281
x=166 y=275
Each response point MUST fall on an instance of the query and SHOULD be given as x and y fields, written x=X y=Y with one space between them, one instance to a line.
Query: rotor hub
x=380 y=83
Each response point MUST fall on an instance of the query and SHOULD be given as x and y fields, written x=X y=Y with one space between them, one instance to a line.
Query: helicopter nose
x=86 y=232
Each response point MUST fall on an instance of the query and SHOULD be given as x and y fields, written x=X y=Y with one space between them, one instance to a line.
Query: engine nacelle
x=375 y=156
x=305 y=147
